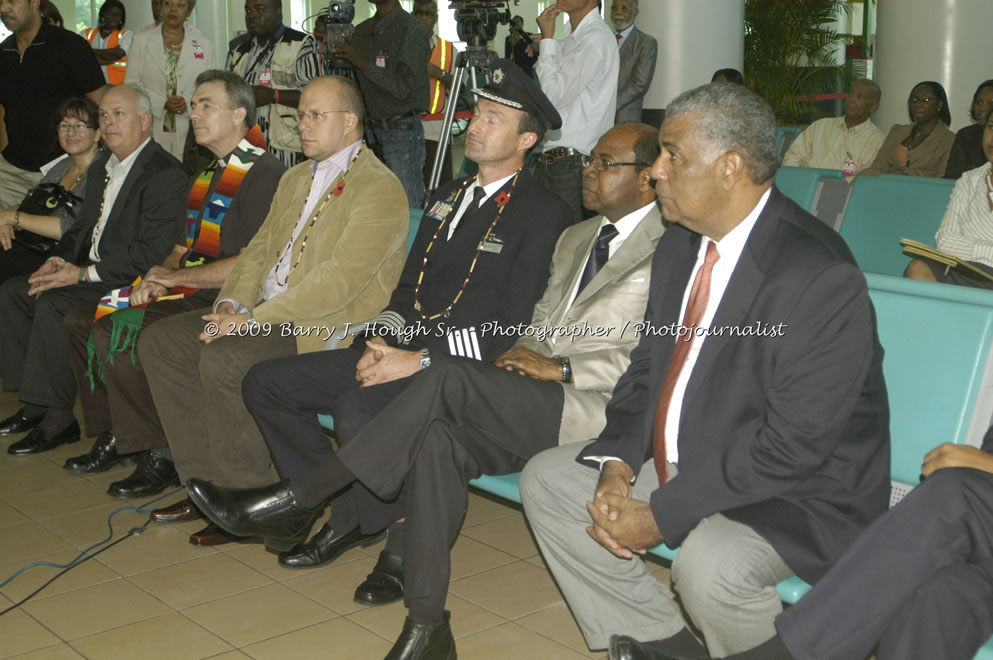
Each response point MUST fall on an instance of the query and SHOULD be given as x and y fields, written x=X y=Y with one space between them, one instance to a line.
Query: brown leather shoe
x=212 y=535
x=181 y=511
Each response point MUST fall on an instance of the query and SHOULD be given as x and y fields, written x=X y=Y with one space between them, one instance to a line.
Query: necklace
x=501 y=200
x=334 y=190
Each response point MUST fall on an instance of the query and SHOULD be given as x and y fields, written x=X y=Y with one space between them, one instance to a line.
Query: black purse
x=46 y=199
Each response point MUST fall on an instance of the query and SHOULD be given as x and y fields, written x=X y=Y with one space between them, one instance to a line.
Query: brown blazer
x=352 y=260
x=929 y=158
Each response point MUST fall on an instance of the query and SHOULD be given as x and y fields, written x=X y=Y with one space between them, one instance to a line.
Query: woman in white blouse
x=966 y=230
x=165 y=62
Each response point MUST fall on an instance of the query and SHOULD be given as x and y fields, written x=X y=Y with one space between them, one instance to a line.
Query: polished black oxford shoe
x=152 y=476
x=421 y=642
x=324 y=547
x=102 y=456
x=385 y=583
x=623 y=647
x=18 y=423
x=271 y=512
x=38 y=441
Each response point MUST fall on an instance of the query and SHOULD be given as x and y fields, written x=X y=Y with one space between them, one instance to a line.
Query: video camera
x=477 y=20
x=338 y=19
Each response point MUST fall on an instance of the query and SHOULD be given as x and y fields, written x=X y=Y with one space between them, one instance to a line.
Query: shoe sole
x=365 y=543
x=75 y=470
x=372 y=602
x=31 y=453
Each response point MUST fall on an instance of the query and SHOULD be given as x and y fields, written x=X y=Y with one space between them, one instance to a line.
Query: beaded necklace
x=501 y=200
x=334 y=190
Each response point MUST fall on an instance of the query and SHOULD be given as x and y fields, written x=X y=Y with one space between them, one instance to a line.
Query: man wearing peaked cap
x=512 y=87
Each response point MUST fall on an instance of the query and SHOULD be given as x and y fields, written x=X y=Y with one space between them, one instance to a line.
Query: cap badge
x=498 y=76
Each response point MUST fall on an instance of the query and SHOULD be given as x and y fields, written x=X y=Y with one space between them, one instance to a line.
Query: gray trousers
x=197 y=392
x=725 y=573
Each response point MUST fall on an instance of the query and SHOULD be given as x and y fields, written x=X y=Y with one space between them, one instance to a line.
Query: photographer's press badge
x=381 y=60
x=493 y=244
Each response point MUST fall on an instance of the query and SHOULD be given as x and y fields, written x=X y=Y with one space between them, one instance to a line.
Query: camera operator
x=579 y=76
x=388 y=53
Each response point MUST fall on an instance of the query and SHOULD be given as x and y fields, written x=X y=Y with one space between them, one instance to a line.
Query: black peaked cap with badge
x=510 y=86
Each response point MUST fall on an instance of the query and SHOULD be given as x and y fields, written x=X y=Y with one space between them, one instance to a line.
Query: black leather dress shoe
x=385 y=583
x=623 y=647
x=38 y=441
x=18 y=423
x=153 y=475
x=181 y=511
x=102 y=456
x=421 y=642
x=271 y=512
x=324 y=547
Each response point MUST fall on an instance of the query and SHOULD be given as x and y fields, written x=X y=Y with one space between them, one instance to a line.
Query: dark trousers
x=122 y=402
x=34 y=354
x=286 y=395
x=19 y=260
x=564 y=177
x=918 y=581
x=457 y=420
x=197 y=391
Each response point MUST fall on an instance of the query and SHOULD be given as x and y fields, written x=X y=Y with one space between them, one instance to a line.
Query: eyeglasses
x=601 y=164
x=316 y=116
x=74 y=128
x=923 y=99
x=421 y=12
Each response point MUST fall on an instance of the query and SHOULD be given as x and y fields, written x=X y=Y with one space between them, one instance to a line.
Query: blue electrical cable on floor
x=84 y=555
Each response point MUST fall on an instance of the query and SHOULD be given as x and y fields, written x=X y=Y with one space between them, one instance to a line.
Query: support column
x=941 y=40
x=212 y=19
x=696 y=37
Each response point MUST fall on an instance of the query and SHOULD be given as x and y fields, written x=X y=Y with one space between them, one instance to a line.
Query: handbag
x=46 y=199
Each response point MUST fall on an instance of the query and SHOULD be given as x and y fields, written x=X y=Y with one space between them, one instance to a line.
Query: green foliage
x=788 y=45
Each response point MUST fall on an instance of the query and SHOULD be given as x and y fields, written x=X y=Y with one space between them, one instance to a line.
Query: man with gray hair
x=751 y=427
x=848 y=143
x=225 y=207
x=638 y=52
x=126 y=225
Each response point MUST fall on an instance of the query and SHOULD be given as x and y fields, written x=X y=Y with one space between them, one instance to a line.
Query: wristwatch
x=425 y=358
x=566 y=370
x=82 y=275
x=250 y=319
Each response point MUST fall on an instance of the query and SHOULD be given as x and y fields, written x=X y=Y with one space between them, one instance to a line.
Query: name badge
x=197 y=52
x=440 y=210
x=265 y=78
x=381 y=61
x=493 y=245
x=849 y=167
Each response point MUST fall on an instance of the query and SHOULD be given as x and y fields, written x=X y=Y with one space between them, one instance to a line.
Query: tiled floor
x=156 y=596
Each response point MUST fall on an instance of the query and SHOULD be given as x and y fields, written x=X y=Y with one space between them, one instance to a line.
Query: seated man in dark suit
x=225 y=206
x=462 y=418
x=481 y=255
x=915 y=585
x=757 y=438
x=126 y=226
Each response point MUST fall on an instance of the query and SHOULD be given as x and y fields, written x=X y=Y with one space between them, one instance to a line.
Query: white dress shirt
x=118 y=171
x=966 y=231
x=729 y=248
x=466 y=198
x=624 y=226
x=579 y=76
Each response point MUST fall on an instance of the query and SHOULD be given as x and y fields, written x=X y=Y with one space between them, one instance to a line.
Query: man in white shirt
x=464 y=417
x=848 y=143
x=126 y=226
x=579 y=75
x=751 y=427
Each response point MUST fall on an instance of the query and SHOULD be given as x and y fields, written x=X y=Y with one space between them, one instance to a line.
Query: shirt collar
x=339 y=160
x=489 y=188
x=628 y=223
x=115 y=163
x=857 y=127
x=627 y=31
x=10 y=43
x=731 y=246
x=584 y=24
x=277 y=35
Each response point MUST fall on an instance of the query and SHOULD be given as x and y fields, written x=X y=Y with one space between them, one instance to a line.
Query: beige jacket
x=353 y=256
x=598 y=346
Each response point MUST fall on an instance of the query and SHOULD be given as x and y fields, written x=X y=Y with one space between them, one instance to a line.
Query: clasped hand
x=52 y=275
x=381 y=363
x=623 y=525
x=528 y=363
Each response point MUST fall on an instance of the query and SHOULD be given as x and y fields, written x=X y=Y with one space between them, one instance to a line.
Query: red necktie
x=695 y=307
x=618 y=35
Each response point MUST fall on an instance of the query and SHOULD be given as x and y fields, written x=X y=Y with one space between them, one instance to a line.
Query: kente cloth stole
x=206 y=242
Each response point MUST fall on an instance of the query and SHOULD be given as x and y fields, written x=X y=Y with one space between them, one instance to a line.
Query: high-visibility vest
x=441 y=57
x=115 y=70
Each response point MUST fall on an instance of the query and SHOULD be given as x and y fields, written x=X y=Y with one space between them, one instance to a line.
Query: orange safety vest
x=441 y=57
x=115 y=70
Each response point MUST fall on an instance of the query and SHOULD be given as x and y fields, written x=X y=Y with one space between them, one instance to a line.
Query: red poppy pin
x=337 y=190
x=502 y=198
